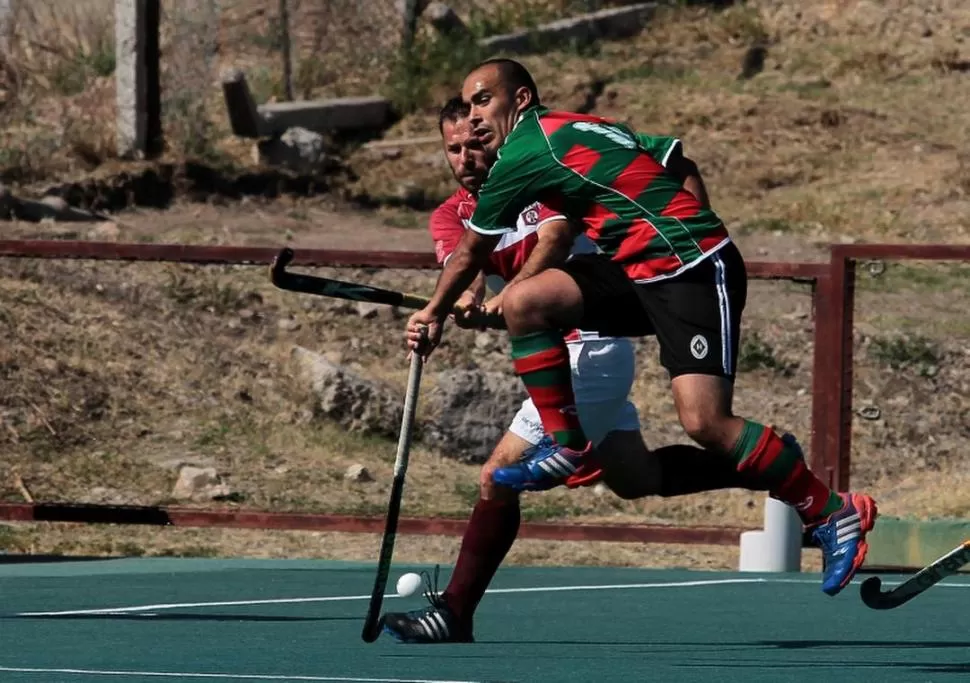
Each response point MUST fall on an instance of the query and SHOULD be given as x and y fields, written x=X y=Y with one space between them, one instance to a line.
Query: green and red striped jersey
x=604 y=174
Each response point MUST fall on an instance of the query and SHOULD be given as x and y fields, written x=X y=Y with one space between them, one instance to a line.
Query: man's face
x=466 y=154
x=494 y=105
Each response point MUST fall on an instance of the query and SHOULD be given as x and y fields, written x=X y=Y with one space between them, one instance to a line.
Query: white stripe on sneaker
x=848 y=528
x=854 y=517
x=424 y=627
x=444 y=625
x=550 y=468
x=562 y=460
x=430 y=627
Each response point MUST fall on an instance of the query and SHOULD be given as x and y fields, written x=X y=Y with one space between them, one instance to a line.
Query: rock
x=470 y=411
x=410 y=194
x=57 y=204
x=484 y=341
x=297 y=149
x=106 y=231
x=357 y=473
x=355 y=403
x=445 y=20
x=366 y=309
x=195 y=483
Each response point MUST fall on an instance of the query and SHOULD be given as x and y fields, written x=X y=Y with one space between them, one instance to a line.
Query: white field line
x=217 y=676
x=494 y=591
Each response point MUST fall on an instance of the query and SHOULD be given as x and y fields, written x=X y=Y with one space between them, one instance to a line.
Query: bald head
x=514 y=76
x=497 y=91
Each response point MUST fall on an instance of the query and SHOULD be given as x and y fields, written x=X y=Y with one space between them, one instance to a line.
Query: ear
x=523 y=98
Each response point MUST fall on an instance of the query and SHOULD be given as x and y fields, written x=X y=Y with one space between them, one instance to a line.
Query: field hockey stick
x=325 y=286
x=949 y=564
x=372 y=622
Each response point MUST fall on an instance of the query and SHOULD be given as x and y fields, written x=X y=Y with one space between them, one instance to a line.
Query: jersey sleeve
x=660 y=147
x=514 y=182
x=446 y=230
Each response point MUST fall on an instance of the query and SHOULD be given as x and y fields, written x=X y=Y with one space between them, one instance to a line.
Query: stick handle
x=407 y=419
x=372 y=621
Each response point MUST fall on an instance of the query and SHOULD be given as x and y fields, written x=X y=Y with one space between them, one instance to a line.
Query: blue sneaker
x=544 y=443
x=842 y=538
x=547 y=466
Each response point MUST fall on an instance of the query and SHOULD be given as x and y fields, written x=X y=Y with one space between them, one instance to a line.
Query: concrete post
x=137 y=78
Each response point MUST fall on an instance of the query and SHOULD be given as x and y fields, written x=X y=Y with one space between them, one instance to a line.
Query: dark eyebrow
x=478 y=94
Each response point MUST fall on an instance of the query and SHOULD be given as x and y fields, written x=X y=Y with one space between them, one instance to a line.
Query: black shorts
x=696 y=316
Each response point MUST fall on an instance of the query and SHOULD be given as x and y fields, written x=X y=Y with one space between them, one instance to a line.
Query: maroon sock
x=491 y=530
x=688 y=469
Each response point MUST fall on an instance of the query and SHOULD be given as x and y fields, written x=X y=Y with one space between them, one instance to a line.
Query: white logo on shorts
x=698 y=347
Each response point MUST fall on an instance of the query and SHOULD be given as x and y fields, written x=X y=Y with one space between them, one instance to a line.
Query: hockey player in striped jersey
x=664 y=266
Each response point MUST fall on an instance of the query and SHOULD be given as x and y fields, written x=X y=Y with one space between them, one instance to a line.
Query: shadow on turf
x=44 y=559
x=781 y=644
x=178 y=616
x=828 y=644
x=923 y=667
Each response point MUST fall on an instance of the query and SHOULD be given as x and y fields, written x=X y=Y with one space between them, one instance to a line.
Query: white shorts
x=602 y=378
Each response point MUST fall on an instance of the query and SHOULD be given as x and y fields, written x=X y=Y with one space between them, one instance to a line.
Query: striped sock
x=541 y=359
x=762 y=454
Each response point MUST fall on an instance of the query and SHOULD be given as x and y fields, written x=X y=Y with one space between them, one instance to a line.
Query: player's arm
x=685 y=169
x=669 y=152
x=446 y=228
x=460 y=271
x=510 y=187
x=556 y=236
x=555 y=242
x=474 y=295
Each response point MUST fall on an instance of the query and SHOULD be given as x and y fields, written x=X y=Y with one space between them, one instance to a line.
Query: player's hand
x=467 y=312
x=493 y=307
x=424 y=332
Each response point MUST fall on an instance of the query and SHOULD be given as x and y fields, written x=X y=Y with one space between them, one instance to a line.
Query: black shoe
x=436 y=623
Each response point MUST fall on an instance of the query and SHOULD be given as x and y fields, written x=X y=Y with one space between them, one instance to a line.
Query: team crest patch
x=531 y=217
x=698 y=347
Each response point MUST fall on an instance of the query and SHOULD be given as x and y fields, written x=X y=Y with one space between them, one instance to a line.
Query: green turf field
x=151 y=620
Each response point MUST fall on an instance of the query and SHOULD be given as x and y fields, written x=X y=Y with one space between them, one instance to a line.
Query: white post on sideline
x=778 y=547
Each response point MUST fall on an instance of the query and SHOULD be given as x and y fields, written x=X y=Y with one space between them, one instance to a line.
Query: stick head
x=371 y=633
x=283 y=259
x=871 y=592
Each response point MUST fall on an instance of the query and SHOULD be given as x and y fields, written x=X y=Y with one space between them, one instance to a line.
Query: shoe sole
x=866 y=507
x=412 y=641
x=519 y=486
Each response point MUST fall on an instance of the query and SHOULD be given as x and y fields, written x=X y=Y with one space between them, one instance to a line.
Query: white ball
x=408 y=584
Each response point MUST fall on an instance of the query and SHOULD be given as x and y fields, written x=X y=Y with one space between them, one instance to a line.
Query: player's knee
x=703 y=425
x=532 y=304
x=518 y=308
